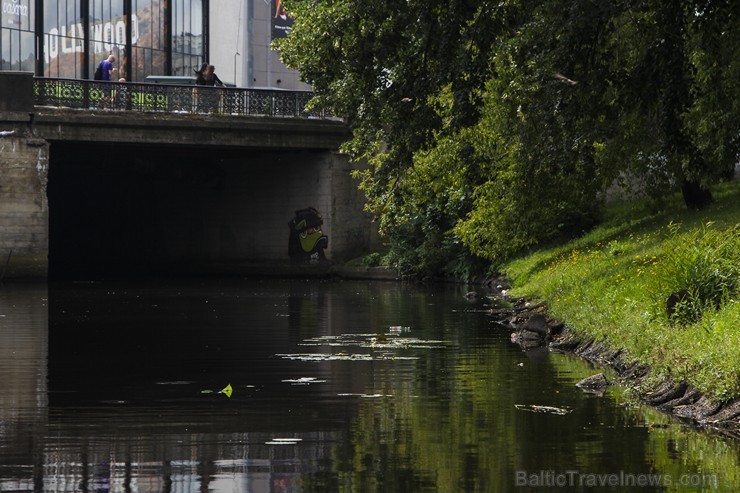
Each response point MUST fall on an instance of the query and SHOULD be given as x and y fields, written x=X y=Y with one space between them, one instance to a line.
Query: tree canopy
x=492 y=126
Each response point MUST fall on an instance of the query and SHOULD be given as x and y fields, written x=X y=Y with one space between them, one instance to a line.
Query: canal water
x=241 y=385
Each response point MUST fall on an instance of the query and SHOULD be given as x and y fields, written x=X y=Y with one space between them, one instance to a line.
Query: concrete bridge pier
x=24 y=160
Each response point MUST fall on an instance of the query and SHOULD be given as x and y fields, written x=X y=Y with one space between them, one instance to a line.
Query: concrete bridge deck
x=192 y=129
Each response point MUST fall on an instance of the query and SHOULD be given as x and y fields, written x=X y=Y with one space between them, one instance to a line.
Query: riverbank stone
x=595 y=383
x=529 y=322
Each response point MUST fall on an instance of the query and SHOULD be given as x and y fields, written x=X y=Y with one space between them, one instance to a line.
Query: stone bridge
x=109 y=179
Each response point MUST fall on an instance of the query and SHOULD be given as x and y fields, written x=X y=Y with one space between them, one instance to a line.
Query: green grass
x=612 y=285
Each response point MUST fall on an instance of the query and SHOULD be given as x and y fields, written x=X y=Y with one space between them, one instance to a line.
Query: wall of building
x=240 y=35
x=229 y=41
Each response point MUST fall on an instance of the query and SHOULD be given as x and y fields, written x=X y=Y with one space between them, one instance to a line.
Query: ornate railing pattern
x=135 y=96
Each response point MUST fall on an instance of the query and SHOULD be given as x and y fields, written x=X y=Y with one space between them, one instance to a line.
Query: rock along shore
x=531 y=328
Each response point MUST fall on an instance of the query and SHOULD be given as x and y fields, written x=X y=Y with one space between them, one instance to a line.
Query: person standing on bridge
x=208 y=100
x=211 y=77
x=107 y=67
x=200 y=80
x=201 y=98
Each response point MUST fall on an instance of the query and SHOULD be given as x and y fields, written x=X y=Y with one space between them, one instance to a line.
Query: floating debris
x=560 y=411
x=473 y=310
x=344 y=357
x=284 y=441
x=226 y=390
x=658 y=425
x=390 y=341
x=365 y=396
x=382 y=346
x=304 y=380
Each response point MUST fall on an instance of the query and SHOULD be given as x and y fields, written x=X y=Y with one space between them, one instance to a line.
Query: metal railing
x=146 y=97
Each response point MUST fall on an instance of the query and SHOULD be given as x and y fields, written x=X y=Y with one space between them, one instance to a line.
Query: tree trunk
x=695 y=196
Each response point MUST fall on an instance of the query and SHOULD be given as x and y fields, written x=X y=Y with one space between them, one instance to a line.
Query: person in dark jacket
x=201 y=75
x=211 y=77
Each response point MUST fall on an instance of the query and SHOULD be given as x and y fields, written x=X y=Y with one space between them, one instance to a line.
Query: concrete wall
x=229 y=40
x=263 y=193
x=24 y=208
x=216 y=130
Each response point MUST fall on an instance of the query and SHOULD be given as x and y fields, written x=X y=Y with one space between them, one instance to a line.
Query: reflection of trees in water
x=306 y=304
x=462 y=431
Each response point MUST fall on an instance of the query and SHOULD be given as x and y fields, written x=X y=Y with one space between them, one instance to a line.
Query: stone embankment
x=531 y=328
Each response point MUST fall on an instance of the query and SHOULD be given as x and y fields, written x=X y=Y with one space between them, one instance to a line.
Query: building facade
x=69 y=38
x=241 y=35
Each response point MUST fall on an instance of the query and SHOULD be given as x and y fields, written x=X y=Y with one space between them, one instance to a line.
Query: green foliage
x=372 y=260
x=492 y=127
x=422 y=245
x=703 y=265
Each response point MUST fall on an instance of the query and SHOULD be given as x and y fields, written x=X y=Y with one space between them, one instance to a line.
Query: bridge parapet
x=169 y=98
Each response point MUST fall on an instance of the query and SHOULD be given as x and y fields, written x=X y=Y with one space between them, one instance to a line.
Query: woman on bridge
x=211 y=77
x=200 y=80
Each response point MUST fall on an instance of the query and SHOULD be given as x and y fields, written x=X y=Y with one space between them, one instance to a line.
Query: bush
x=372 y=260
x=699 y=271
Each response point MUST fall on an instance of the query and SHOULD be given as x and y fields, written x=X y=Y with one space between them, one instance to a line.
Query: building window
x=107 y=25
x=17 y=20
x=63 y=39
x=187 y=37
x=148 y=37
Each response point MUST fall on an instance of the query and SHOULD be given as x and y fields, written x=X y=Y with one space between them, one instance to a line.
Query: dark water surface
x=337 y=386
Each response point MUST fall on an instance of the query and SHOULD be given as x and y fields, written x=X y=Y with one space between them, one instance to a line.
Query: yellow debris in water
x=227 y=390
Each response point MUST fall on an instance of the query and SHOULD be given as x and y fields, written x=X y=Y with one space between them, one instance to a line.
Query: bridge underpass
x=123 y=209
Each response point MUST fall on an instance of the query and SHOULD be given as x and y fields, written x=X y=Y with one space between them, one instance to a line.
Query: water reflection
x=114 y=387
x=23 y=392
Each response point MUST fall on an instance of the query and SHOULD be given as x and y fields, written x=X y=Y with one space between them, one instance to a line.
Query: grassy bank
x=612 y=285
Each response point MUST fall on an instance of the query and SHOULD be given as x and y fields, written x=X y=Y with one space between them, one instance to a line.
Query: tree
x=493 y=126
x=683 y=63
x=387 y=66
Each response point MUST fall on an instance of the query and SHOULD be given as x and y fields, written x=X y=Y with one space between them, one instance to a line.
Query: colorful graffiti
x=307 y=242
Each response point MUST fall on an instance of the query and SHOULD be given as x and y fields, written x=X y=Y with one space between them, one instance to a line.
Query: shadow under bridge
x=148 y=193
